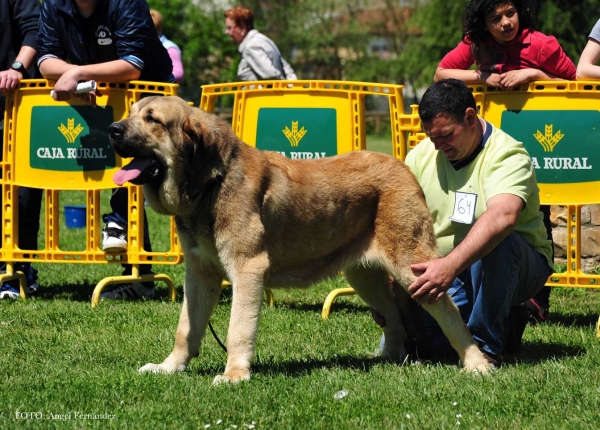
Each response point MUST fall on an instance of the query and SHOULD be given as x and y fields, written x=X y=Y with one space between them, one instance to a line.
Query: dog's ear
x=202 y=154
x=192 y=131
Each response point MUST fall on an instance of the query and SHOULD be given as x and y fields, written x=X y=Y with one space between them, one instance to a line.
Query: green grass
x=380 y=144
x=61 y=357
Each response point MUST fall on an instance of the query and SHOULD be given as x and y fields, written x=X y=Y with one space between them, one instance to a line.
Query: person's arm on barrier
x=25 y=17
x=67 y=76
x=456 y=65
x=587 y=68
x=10 y=79
x=494 y=225
x=554 y=64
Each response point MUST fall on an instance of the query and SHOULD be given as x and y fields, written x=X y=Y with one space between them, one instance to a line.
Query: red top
x=529 y=50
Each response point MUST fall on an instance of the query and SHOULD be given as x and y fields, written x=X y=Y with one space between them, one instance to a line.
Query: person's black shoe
x=538 y=313
x=517 y=321
x=492 y=359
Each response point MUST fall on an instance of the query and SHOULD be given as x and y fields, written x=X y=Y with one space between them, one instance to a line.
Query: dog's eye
x=150 y=118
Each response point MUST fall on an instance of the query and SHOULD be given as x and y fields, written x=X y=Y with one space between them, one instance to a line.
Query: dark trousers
x=543 y=297
x=120 y=205
x=30 y=204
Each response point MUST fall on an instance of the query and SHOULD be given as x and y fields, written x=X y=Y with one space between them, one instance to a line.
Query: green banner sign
x=564 y=144
x=71 y=138
x=298 y=133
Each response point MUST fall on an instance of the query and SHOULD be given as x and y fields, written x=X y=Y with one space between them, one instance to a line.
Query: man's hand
x=434 y=279
x=64 y=88
x=9 y=80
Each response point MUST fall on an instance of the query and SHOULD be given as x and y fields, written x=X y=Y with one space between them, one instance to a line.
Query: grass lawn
x=66 y=365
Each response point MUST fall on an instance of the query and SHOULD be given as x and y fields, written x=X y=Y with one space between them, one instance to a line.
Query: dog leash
x=217 y=337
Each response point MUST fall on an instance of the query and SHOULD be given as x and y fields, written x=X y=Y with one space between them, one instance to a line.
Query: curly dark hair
x=474 y=28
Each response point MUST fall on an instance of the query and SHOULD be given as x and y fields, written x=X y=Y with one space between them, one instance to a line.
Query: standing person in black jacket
x=18 y=48
x=107 y=41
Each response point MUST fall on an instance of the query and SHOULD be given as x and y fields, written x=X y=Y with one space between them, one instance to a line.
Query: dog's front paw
x=482 y=368
x=161 y=368
x=231 y=377
x=475 y=361
x=478 y=364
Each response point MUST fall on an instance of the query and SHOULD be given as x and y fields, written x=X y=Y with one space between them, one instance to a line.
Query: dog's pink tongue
x=131 y=170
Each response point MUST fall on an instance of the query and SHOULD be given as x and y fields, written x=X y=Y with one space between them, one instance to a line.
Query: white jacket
x=261 y=59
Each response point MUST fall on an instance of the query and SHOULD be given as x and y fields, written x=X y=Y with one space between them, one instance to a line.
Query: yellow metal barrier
x=60 y=146
x=310 y=119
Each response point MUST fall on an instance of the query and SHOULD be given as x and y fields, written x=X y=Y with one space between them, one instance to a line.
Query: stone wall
x=590 y=235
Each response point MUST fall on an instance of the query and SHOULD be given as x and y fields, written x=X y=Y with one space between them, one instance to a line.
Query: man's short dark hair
x=448 y=96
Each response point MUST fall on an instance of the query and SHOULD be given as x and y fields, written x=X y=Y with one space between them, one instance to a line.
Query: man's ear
x=471 y=117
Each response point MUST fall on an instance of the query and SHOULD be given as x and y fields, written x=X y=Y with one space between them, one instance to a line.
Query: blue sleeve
x=49 y=45
x=132 y=29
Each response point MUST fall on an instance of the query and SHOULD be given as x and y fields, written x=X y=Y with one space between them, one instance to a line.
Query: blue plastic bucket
x=75 y=216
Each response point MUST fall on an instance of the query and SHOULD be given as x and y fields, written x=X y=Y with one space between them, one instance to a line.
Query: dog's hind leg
x=448 y=317
x=248 y=289
x=201 y=294
x=372 y=285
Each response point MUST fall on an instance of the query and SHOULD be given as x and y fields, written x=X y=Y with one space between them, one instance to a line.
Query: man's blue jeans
x=484 y=293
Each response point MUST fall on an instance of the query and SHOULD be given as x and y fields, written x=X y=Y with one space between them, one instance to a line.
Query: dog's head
x=176 y=149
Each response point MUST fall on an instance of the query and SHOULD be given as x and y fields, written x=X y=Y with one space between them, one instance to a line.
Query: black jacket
x=118 y=29
x=18 y=27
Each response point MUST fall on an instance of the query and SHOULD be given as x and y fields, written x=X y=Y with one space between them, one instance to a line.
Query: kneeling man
x=482 y=192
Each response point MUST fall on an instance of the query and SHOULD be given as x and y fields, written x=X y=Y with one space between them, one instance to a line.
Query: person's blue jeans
x=484 y=293
x=120 y=205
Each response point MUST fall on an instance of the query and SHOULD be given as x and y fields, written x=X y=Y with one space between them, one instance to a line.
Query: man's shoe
x=493 y=360
x=135 y=291
x=8 y=292
x=538 y=313
x=114 y=238
x=33 y=289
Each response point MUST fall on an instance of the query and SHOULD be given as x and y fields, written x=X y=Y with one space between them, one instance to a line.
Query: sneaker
x=8 y=292
x=31 y=275
x=114 y=238
x=537 y=312
x=135 y=291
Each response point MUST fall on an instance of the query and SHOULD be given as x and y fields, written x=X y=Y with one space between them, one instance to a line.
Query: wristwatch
x=18 y=66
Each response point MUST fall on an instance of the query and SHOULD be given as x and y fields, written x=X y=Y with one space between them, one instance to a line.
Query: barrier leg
x=134 y=277
x=331 y=297
x=598 y=329
x=11 y=274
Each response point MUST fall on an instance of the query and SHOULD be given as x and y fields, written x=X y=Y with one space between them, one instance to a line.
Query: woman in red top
x=498 y=37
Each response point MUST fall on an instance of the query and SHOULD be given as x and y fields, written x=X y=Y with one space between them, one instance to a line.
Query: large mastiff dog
x=261 y=220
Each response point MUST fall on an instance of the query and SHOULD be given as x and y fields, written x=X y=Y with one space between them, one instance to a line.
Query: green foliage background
x=329 y=39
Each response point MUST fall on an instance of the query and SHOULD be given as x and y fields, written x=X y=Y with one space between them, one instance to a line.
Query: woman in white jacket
x=261 y=59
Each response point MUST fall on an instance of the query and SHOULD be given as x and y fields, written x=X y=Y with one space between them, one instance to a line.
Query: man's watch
x=18 y=66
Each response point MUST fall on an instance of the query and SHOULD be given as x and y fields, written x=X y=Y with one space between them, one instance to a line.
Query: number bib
x=464 y=208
